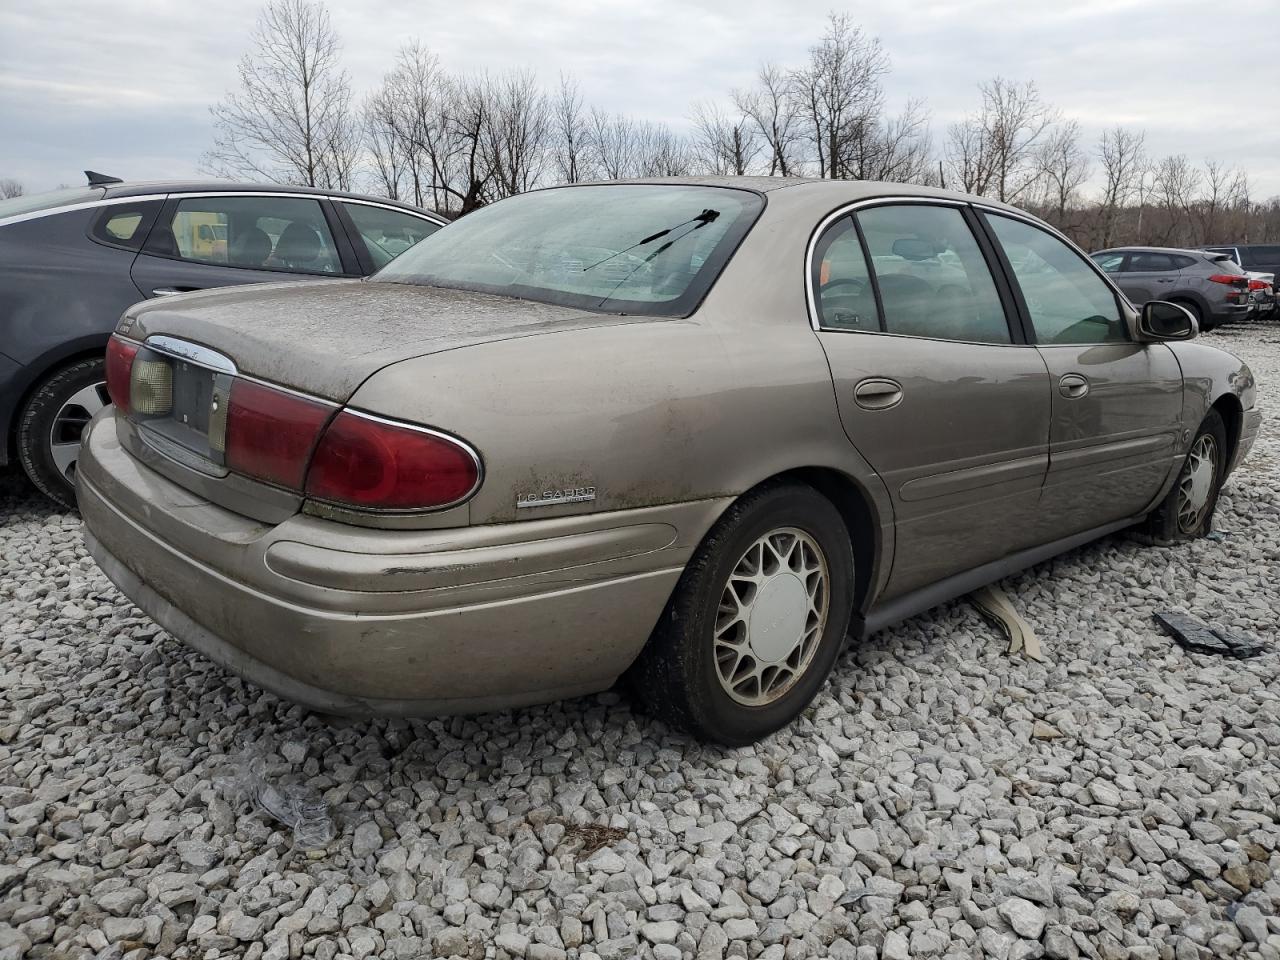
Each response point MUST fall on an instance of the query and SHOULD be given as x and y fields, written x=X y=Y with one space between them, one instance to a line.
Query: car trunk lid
x=325 y=338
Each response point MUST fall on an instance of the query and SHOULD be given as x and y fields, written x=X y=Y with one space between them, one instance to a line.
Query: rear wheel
x=52 y=422
x=1203 y=322
x=1187 y=512
x=756 y=621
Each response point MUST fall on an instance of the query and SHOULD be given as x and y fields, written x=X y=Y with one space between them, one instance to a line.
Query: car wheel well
x=70 y=360
x=1228 y=407
x=859 y=520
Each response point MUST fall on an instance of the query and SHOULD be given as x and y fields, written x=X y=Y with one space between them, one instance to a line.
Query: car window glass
x=125 y=224
x=842 y=285
x=1150 y=263
x=263 y=233
x=387 y=233
x=1067 y=301
x=645 y=249
x=933 y=278
x=35 y=202
x=1224 y=264
x=1181 y=262
x=1262 y=256
x=1110 y=262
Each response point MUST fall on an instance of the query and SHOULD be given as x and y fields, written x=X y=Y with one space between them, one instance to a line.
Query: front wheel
x=52 y=422
x=757 y=620
x=1187 y=512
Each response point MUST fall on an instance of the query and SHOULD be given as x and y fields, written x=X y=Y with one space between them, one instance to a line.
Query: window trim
x=140 y=234
x=1013 y=319
x=985 y=212
x=358 y=247
x=346 y=258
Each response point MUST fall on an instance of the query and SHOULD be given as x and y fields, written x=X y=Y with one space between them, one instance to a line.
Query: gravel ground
x=939 y=799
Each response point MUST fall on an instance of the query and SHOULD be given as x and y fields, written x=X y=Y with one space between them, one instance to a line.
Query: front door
x=932 y=386
x=1147 y=276
x=1117 y=405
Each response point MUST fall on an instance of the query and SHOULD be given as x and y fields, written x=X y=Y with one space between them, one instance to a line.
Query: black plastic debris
x=1199 y=637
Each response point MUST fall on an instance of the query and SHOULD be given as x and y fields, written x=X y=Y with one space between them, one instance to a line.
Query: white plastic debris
x=995 y=606
x=295 y=805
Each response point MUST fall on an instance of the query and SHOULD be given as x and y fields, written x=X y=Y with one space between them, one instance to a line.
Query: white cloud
x=127 y=84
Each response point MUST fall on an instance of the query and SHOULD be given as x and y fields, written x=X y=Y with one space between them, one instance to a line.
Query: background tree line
x=455 y=141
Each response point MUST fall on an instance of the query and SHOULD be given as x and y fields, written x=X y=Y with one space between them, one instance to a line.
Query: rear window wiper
x=702 y=219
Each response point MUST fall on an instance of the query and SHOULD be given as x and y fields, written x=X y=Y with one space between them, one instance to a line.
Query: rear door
x=1147 y=276
x=225 y=239
x=933 y=385
x=1117 y=405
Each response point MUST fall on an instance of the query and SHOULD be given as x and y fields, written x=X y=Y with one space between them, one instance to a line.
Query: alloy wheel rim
x=772 y=614
x=68 y=426
x=1195 y=485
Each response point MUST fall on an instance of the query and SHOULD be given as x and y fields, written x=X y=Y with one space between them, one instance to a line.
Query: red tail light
x=271 y=433
x=1258 y=284
x=370 y=463
x=1230 y=280
x=120 y=354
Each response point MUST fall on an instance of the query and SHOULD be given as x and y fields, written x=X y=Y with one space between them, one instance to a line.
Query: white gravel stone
x=939 y=799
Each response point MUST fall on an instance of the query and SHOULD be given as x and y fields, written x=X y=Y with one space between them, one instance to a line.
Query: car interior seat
x=299 y=247
x=251 y=248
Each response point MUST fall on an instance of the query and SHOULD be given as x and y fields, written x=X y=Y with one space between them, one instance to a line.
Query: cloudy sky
x=124 y=86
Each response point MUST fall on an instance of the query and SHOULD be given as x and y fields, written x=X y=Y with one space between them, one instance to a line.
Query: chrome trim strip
x=191 y=352
x=87 y=205
x=140 y=198
x=440 y=434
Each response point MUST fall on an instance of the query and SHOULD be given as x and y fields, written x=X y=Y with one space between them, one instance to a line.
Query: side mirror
x=1161 y=320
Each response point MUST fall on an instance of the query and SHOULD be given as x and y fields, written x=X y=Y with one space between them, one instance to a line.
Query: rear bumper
x=358 y=621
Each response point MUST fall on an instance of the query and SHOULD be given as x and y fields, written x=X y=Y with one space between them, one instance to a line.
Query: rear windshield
x=1223 y=262
x=34 y=203
x=650 y=249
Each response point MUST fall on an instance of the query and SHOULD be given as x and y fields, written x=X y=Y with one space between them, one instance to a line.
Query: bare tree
x=723 y=144
x=994 y=151
x=1176 y=183
x=614 y=144
x=1224 y=189
x=839 y=94
x=660 y=152
x=770 y=106
x=10 y=188
x=1064 y=168
x=291 y=119
x=386 y=151
x=516 y=132
x=570 y=134
x=1123 y=165
x=892 y=148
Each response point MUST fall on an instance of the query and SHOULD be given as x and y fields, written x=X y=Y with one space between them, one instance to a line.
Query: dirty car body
x=889 y=388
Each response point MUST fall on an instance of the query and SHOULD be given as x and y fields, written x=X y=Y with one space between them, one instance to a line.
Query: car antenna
x=101 y=179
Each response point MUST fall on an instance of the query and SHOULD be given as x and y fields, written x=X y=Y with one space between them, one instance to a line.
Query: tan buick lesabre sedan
x=692 y=431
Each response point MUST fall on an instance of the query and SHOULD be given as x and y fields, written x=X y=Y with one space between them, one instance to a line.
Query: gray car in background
x=1210 y=285
x=72 y=260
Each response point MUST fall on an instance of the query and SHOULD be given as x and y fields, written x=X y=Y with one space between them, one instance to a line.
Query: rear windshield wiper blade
x=702 y=219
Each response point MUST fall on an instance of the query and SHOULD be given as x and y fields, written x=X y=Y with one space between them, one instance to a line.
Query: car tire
x=50 y=424
x=1187 y=511
x=781 y=553
x=1204 y=323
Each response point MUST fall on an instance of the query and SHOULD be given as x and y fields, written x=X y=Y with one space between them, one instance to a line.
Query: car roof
x=146 y=187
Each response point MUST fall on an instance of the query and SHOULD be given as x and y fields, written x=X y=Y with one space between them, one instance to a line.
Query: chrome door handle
x=1073 y=386
x=877 y=393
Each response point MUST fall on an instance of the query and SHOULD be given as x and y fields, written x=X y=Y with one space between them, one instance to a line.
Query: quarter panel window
x=260 y=233
x=1068 y=302
x=933 y=279
x=387 y=233
x=126 y=224
x=841 y=282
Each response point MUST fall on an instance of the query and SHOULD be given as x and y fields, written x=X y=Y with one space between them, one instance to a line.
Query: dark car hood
x=327 y=337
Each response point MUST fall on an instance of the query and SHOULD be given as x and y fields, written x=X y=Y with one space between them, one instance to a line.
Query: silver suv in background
x=1211 y=285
